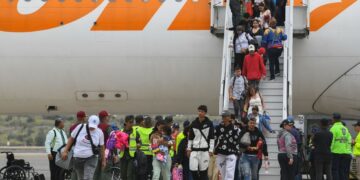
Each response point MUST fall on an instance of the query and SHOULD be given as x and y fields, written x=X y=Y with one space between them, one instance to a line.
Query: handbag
x=245 y=139
x=95 y=149
x=68 y=163
x=177 y=173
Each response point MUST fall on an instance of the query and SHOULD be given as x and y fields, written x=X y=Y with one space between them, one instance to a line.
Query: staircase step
x=272 y=92
x=272 y=99
x=273 y=105
x=270 y=85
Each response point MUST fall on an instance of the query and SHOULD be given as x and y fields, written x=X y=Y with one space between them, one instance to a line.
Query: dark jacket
x=227 y=139
x=254 y=138
x=181 y=158
x=322 y=143
x=201 y=135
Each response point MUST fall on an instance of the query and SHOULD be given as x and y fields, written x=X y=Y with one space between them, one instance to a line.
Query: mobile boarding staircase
x=277 y=94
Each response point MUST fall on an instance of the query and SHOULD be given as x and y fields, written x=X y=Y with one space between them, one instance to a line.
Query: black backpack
x=252 y=41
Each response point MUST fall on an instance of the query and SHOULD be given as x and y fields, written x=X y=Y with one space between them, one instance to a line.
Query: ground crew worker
x=201 y=144
x=127 y=157
x=356 y=150
x=144 y=133
x=340 y=149
x=139 y=120
x=55 y=139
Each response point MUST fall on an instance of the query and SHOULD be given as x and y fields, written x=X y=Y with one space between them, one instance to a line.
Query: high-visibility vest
x=171 y=152
x=341 y=143
x=145 y=142
x=179 y=138
x=132 y=144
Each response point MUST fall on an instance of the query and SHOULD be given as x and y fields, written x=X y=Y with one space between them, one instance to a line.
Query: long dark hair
x=158 y=123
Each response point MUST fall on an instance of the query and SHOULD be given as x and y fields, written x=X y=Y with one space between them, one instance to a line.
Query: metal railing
x=226 y=61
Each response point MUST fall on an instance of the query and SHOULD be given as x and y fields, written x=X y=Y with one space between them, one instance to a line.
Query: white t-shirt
x=82 y=147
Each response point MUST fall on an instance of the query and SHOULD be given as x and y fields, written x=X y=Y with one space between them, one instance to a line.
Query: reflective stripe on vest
x=145 y=142
x=132 y=144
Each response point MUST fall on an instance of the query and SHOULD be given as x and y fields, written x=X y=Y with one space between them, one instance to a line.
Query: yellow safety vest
x=179 y=138
x=132 y=144
x=171 y=152
x=145 y=142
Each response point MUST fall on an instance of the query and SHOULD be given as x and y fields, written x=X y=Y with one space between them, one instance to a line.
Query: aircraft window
x=146 y=1
x=118 y=95
x=85 y=95
x=61 y=0
x=78 y=1
x=178 y=0
x=112 y=0
x=129 y=1
x=161 y=1
x=94 y=1
x=101 y=95
x=27 y=0
x=44 y=0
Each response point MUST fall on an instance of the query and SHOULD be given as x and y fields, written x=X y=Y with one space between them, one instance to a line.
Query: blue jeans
x=249 y=165
x=237 y=170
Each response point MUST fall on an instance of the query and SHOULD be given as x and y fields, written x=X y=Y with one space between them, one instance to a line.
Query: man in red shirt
x=105 y=127
x=81 y=119
x=254 y=68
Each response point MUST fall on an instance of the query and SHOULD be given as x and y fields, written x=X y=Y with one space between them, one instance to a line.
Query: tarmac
x=36 y=156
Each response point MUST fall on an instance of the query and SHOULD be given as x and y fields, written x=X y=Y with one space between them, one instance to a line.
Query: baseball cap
x=176 y=125
x=357 y=123
x=251 y=48
x=103 y=114
x=284 y=122
x=337 y=116
x=93 y=121
x=225 y=114
x=186 y=123
x=81 y=114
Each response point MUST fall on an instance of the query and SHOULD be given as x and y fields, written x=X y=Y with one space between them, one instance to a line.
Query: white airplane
x=152 y=57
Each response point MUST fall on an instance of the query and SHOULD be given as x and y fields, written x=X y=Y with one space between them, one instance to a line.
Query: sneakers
x=272 y=79
x=277 y=74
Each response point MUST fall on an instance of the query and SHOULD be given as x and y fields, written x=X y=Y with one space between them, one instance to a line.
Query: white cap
x=93 y=121
x=251 y=48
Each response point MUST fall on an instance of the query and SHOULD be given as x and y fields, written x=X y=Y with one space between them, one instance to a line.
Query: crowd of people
x=233 y=149
x=258 y=36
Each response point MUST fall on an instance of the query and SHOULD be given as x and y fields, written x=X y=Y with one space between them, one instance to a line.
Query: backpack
x=252 y=41
x=243 y=94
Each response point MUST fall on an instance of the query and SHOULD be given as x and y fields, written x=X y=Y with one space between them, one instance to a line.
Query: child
x=161 y=151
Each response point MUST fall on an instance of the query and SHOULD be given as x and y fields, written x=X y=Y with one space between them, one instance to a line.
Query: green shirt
x=341 y=143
